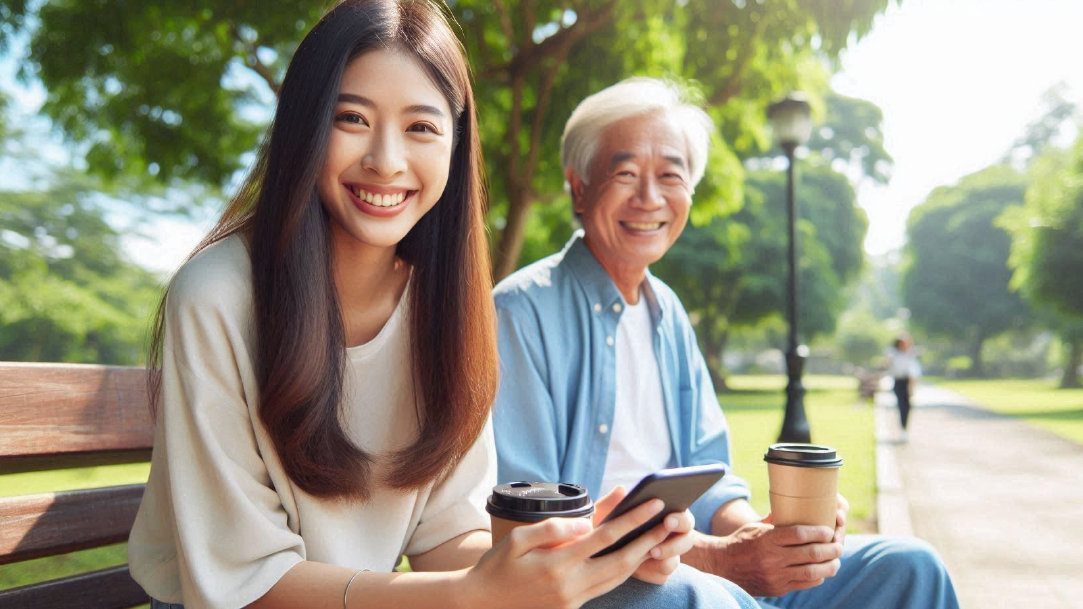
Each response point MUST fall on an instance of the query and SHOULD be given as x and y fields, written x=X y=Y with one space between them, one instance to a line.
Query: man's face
x=636 y=201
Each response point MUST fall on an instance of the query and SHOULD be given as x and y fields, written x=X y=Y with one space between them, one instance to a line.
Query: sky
x=957 y=80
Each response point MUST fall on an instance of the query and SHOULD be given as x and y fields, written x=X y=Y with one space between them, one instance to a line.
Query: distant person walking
x=906 y=370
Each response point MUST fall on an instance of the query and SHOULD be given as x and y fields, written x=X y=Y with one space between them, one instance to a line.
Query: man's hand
x=767 y=560
x=840 y=519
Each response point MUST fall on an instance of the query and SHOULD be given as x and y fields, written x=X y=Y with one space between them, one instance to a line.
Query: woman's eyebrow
x=368 y=103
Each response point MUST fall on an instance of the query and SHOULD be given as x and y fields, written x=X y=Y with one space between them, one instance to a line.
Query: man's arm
x=523 y=413
x=763 y=559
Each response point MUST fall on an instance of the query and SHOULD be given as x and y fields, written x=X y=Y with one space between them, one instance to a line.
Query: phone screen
x=677 y=487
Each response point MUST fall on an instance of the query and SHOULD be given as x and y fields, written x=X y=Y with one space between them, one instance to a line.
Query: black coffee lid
x=802 y=455
x=536 y=501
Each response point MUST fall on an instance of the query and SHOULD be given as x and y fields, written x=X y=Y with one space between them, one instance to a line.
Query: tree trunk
x=976 y=367
x=1070 y=378
x=714 y=348
x=511 y=238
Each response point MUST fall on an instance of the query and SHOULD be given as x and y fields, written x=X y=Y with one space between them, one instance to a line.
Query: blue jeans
x=900 y=573
x=686 y=588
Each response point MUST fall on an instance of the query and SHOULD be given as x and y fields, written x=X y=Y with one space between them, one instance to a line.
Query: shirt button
x=609 y=340
x=603 y=429
x=597 y=307
x=616 y=307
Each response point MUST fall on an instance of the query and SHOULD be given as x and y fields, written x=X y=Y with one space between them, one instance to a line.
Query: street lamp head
x=790 y=120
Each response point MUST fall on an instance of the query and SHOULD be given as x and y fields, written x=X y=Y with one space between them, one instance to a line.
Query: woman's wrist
x=465 y=590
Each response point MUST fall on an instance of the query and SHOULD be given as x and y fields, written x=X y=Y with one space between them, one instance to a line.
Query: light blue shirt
x=554 y=408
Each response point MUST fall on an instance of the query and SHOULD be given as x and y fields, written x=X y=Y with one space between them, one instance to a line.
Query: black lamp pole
x=791 y=118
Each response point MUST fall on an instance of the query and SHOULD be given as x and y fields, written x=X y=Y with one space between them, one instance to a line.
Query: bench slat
x=49 y=409
x=111 y=588
x=55 y=523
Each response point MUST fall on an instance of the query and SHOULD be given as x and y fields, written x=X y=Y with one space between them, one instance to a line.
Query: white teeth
x=643 y=225
x=377 y=199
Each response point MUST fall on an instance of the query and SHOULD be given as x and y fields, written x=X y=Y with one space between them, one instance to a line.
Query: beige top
x=220 y=521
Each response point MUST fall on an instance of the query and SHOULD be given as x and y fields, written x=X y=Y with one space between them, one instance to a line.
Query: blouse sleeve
x=233 y=539
x=457 y=504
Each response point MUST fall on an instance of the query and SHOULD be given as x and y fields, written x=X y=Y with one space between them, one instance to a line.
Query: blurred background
x=939 y=193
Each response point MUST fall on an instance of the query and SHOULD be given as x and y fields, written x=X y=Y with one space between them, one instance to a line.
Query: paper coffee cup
x=518 y=503
x=804 y=483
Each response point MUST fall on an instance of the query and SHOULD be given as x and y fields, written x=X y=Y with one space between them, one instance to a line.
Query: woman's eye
x=351 y=118
x=423 y=128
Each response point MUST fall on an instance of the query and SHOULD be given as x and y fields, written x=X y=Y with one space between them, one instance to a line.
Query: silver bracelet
x=346 y=592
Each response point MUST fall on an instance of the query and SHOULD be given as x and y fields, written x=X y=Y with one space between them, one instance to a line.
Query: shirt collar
x=597 y=283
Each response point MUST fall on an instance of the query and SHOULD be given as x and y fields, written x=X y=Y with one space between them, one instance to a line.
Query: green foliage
x=861 y=339
x=180 y=88
x=1046 y=257
x=955 y=277
x=852 y=134
x=732 y=271
x=66 y=293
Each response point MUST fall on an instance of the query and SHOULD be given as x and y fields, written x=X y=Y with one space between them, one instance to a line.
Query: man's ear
x=576 y=186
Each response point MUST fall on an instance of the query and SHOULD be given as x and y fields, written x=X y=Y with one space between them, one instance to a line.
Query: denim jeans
x=901 y=573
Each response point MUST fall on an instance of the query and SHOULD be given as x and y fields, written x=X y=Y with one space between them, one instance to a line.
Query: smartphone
x=678 y=487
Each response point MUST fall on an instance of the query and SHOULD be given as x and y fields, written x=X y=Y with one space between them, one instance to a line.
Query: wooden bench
x=58 y=416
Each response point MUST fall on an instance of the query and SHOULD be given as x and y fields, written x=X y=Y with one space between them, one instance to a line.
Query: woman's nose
x=385 y=154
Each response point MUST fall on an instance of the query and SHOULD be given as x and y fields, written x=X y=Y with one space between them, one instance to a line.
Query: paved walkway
x=1002 y=501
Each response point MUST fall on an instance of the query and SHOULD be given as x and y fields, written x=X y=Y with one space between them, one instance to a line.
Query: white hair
x=633 y=97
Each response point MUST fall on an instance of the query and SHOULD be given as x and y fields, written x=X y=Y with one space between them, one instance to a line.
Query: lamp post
x=792 y=126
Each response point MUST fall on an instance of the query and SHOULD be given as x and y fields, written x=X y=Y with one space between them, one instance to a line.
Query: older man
x=602 y=381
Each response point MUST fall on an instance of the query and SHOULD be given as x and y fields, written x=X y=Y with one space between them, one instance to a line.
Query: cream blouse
x=220 y=521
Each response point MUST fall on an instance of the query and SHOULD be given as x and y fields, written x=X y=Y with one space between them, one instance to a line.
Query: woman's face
x=389 y=152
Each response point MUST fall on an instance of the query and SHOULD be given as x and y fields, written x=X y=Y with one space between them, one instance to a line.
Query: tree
x=731 y=272
x=955 y=274
x=1046 y=256
x=110 y=68
x=66 y=292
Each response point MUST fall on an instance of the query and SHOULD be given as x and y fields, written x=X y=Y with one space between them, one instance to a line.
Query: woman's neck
x=369 y=283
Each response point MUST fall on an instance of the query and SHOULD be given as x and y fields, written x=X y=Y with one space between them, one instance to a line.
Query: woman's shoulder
x=219 y=275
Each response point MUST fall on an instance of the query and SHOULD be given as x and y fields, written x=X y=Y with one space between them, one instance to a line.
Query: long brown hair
x=298 y=325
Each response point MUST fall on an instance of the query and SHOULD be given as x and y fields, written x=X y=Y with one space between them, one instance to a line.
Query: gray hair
x=634 y=97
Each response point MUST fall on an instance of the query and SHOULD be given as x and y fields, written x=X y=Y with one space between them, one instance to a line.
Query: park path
x=1002 y=501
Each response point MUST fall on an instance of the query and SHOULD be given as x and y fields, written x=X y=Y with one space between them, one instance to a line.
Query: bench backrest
x=58 y=416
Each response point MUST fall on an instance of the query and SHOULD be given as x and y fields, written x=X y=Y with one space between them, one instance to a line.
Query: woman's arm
x=552 y=557
x=457 y=553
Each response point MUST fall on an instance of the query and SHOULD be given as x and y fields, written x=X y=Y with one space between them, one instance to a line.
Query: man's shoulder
x=538 y=282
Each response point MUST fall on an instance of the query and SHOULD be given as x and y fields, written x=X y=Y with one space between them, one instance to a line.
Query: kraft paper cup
x=518 y=503
x=804 y=483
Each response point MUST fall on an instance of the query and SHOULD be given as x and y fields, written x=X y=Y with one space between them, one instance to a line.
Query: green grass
x=1036 y=401
x=754 y=411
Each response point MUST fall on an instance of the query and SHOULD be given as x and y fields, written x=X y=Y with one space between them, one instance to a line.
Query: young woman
x=325 y=363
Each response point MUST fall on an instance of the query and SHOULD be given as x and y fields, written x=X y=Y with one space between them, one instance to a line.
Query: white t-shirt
x=639 y=441
x=220 y=521
x=903 y=364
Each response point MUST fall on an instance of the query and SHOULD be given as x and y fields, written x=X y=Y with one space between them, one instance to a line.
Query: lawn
x=754 y=411
x=1037 y=401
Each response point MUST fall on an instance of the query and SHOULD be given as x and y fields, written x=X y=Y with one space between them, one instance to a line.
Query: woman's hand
x=665 y=557
x=549 y=564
